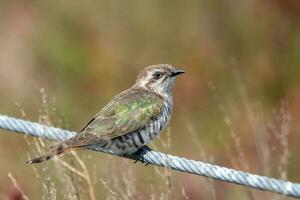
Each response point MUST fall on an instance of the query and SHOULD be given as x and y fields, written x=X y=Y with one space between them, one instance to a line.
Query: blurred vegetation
x=238 y=105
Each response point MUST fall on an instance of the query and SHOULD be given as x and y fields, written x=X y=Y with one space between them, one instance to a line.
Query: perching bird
x=131 y=120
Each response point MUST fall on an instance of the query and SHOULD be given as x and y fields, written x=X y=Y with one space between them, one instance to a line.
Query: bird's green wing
x=126 y=113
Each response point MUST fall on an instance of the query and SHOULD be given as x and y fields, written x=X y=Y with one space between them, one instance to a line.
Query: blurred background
x=238 y=105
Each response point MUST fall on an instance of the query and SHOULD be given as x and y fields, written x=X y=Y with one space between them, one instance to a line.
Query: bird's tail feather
x=53 y=153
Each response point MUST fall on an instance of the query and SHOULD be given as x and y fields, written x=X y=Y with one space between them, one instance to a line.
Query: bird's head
x=158 y=78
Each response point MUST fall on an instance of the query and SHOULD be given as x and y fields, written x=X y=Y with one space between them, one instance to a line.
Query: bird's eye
x=157 y=75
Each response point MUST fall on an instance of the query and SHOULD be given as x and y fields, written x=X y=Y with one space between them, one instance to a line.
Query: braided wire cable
x=165 y=160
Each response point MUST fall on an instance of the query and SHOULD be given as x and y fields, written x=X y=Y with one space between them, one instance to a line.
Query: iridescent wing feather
x=128 y=112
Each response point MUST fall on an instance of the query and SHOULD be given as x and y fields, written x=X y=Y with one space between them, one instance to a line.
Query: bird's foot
x=138 y=155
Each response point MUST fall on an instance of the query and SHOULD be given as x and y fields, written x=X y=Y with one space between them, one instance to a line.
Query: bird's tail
x=56 y=151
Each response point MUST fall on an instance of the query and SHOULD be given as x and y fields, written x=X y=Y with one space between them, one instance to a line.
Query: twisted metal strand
x=165 y=160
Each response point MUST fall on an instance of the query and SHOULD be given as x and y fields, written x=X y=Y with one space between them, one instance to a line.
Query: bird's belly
x=131 y=142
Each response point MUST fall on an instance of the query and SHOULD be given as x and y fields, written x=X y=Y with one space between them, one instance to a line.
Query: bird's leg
x=144 y=149
x=138 y=155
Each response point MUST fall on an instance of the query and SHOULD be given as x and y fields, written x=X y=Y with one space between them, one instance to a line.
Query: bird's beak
x=177 y=72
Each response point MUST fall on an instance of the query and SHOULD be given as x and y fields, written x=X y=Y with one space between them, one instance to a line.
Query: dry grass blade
x=17 y=186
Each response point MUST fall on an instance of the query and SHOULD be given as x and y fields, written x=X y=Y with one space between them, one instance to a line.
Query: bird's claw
x=138 y=155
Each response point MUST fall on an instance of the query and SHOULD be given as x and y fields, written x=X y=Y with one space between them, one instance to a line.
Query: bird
x=130 y=121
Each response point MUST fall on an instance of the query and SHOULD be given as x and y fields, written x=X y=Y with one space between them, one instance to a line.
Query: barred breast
x=129 y=143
